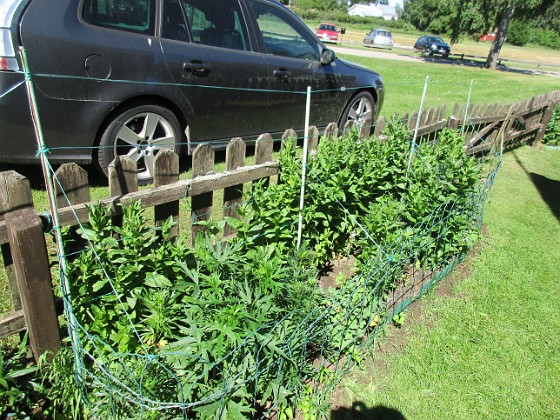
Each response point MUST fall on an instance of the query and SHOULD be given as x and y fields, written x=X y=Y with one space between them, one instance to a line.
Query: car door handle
x=196 y=67
x=282 y=74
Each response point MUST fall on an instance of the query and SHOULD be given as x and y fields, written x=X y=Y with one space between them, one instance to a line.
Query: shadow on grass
x=549 y=189
x=359 y=411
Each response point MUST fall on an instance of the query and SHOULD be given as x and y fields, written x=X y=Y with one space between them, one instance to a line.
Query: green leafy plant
x=237 y=328
x=552 y=133
x=21 y=392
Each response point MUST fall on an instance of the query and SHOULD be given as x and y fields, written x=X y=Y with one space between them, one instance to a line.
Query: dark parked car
x=129 y=77
x=432 y=45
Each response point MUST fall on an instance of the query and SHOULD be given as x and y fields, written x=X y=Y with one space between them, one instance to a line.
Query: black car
x=128 y=77
x=432 y=45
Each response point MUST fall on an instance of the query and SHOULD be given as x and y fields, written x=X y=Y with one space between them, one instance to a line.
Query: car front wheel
x=360 y=108
x=139 y=133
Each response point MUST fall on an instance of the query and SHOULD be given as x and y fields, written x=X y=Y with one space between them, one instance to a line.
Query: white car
x=381 y=38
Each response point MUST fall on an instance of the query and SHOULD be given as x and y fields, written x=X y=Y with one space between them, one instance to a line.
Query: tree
x=429 y=15
x=320 y=4
x=497 y=14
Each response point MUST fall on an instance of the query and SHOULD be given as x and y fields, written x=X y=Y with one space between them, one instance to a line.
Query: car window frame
x=243 y=24
x=153 y=28
x=308 y=35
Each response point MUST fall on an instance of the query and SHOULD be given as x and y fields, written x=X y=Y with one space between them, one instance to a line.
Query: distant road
x=376 y=53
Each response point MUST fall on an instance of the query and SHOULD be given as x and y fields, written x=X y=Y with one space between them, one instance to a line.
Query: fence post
x=71 y=186
x=452 y=123
x=547 y=115
x=365 y=129
x=29 y=250
x=313 y=140
x=289 y=134
x=263 y=151
x=331 y=131
x=380 y=126
x=123 y=179
x=166 y=171
x=15 y=194
x=202 y=164
x=348 y=127
x=235 y=158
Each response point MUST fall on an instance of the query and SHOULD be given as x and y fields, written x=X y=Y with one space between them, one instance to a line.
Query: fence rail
x=22 y=237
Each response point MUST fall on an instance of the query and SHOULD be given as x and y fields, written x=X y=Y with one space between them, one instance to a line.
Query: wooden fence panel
x=547 y=115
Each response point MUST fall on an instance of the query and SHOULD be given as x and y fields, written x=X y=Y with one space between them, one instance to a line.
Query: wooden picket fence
x=22 y=229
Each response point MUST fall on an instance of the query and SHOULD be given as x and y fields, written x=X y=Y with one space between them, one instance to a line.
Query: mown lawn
x=490 y=346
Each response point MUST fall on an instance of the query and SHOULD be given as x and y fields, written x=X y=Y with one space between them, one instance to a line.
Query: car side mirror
x=327 y=57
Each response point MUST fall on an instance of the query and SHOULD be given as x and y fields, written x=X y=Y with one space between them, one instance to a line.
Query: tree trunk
x=501 y=35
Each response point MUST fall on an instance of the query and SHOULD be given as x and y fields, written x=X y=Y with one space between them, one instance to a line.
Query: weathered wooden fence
x=22 y=237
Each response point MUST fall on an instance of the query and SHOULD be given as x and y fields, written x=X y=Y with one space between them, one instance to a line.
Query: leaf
x=157 y=280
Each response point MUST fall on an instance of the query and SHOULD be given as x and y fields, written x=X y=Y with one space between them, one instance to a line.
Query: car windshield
x=328 y=28
x=436 y=39
x=384 y=33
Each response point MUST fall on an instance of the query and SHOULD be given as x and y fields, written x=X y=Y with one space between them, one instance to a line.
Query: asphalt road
x=376 y=53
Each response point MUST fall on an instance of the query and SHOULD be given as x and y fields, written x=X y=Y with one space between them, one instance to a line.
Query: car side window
x=282 y=35
x=174 y=23
x=124 y=15
x=218 y=23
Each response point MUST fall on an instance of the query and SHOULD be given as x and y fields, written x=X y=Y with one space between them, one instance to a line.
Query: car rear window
x=125 y=15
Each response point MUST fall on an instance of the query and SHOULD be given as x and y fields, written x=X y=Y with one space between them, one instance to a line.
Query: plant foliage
x=239 y=328
x=552 y=133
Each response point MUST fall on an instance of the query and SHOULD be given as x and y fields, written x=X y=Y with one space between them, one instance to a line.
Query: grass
x=450 y=83
x=490 y=348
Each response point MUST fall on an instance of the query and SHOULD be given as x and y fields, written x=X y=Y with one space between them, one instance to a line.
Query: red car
x=327 y=32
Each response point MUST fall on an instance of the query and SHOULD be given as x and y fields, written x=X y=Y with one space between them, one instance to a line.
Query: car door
x=293 y=55
x=209 y=52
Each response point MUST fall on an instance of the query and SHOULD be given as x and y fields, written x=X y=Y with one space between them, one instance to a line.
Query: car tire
x=359 y=108
x=139 y=132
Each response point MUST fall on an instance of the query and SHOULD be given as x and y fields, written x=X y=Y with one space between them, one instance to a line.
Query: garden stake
x=42 y=152
x=467 y=107
x=413 y=147
x=304 y=164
